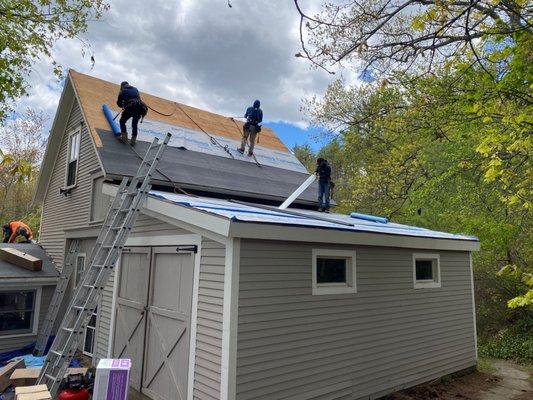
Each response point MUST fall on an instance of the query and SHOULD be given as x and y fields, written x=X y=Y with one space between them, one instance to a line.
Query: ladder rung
x=89 y=286
x=57 y=353
x=51 y=377
x=67 y=329
x=80 y=308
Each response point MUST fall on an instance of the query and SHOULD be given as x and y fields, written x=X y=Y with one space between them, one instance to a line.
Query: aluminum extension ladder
x=115 y=230
x=57 y=299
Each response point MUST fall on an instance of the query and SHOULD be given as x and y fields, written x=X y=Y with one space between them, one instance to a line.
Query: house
x=24 y=297
x=220 y=295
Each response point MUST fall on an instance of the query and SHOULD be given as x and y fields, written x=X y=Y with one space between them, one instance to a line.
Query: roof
x=11 y=272
x=211 y=162
x=269 y=215
x=93 y=92
x=221 y=219
x=207 y=172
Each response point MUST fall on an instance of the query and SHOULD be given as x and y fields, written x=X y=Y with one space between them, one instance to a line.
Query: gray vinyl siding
x=385 y=337
x=209 y=322
x=18 y=342
x=144 y=226
x=60 y=212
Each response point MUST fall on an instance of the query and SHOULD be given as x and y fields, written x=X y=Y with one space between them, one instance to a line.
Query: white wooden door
x=130 y=320
x=166 y=354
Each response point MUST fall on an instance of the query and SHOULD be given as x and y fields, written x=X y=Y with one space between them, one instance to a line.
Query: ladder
x=57 y=299
x=115 y=230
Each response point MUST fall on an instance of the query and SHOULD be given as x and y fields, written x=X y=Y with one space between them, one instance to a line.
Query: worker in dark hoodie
x=132 y=107
x=251 y=128
x=323 y=171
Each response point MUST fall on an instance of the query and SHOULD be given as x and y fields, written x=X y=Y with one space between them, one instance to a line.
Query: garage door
x=161 y=324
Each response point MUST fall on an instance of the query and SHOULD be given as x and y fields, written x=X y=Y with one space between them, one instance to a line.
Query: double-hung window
x=73 y=155
x=426 y=270
x=18 y=311
x=333 y=271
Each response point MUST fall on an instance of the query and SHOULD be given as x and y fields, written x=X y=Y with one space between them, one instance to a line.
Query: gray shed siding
x=60 y=212
x=209 y=321
x=17 y=342
x=387 y=336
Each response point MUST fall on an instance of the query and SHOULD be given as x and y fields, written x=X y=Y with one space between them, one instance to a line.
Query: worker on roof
x=132 y=107
x=15 y=229
x=323 y=171
x=251 y=128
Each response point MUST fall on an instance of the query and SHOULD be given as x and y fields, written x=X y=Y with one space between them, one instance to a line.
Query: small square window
x=333 y=271
x=426 y=270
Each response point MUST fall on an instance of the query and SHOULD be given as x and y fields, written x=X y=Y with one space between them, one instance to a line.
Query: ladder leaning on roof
x=113 y=235
x=57 y=299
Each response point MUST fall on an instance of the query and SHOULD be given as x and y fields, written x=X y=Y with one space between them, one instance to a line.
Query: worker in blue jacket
x=323 y=171
x=132 y=107
x=251 y=128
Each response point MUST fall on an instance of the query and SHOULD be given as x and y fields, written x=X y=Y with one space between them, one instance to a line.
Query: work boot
x=326 y=210
x=250 y=153
x=240 y=150
x=133 y=140
x=124 y=137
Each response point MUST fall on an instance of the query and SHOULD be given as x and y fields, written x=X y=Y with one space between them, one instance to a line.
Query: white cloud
x=200 y=52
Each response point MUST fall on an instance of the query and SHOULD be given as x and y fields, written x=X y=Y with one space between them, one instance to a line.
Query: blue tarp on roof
x=307 y=218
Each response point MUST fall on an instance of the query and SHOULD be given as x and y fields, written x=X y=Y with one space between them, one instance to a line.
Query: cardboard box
x=28 y=376
x=112 y=379
x=38 y=392
x=6 y=371
x=21 y=259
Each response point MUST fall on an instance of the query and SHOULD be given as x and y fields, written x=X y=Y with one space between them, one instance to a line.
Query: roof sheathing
x=93 y=92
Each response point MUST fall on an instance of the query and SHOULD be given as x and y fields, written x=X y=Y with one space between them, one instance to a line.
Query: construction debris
x=28 y=376
x=38 y=392
x=6 y=371
x=21 y=259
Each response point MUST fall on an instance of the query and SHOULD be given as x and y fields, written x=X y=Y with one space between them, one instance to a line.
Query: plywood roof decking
x=93 y=92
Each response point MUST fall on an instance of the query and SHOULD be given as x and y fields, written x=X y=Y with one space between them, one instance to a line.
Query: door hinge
x=187 y=249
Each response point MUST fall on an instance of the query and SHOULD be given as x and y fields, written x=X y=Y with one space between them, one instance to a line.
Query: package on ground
x=37 y=392
x=112 y=379
x=6 y=371
x=28 y=376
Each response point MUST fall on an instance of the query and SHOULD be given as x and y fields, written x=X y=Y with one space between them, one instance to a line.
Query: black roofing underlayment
x=205 y=172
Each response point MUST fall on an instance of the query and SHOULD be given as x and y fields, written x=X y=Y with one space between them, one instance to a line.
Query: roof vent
x=366 y=217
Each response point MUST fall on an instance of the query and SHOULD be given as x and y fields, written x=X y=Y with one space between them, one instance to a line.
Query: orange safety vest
x=14 y=225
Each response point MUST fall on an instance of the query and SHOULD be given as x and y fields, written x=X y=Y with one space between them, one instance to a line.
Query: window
x=17 y=311
x=90 y=333
x=72 y=157
x=80 y=267
x=333 y=272
x=426 y=270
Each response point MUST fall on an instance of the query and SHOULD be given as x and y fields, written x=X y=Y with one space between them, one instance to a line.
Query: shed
x=218 y=299
x=24 y=297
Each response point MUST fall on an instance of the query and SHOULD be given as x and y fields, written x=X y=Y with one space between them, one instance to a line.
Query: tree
x=403 y=34
x=23 y=142
x=28 y=31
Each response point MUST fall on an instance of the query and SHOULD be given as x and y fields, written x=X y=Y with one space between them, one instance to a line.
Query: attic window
x=426 y=270
x=73 y=157
x=333 y=271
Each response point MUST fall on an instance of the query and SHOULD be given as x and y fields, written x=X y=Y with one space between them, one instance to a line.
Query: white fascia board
x=303 y=234
x=206 y=224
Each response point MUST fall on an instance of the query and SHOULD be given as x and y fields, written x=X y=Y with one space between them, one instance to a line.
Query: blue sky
x=291 y=134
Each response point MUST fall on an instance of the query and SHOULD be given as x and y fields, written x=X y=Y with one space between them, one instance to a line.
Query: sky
x=198 y=52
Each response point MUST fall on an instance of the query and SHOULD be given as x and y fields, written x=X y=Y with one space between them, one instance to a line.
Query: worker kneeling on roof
x=15 y=229
x=254 y=116
x=132 y=107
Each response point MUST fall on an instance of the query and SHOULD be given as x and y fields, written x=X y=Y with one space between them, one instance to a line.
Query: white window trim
x=91 y=210
x=84 y=256
x=426 y=284
x=94 y=335
x=67 y=162
x=335 y=288
x=36 y=311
